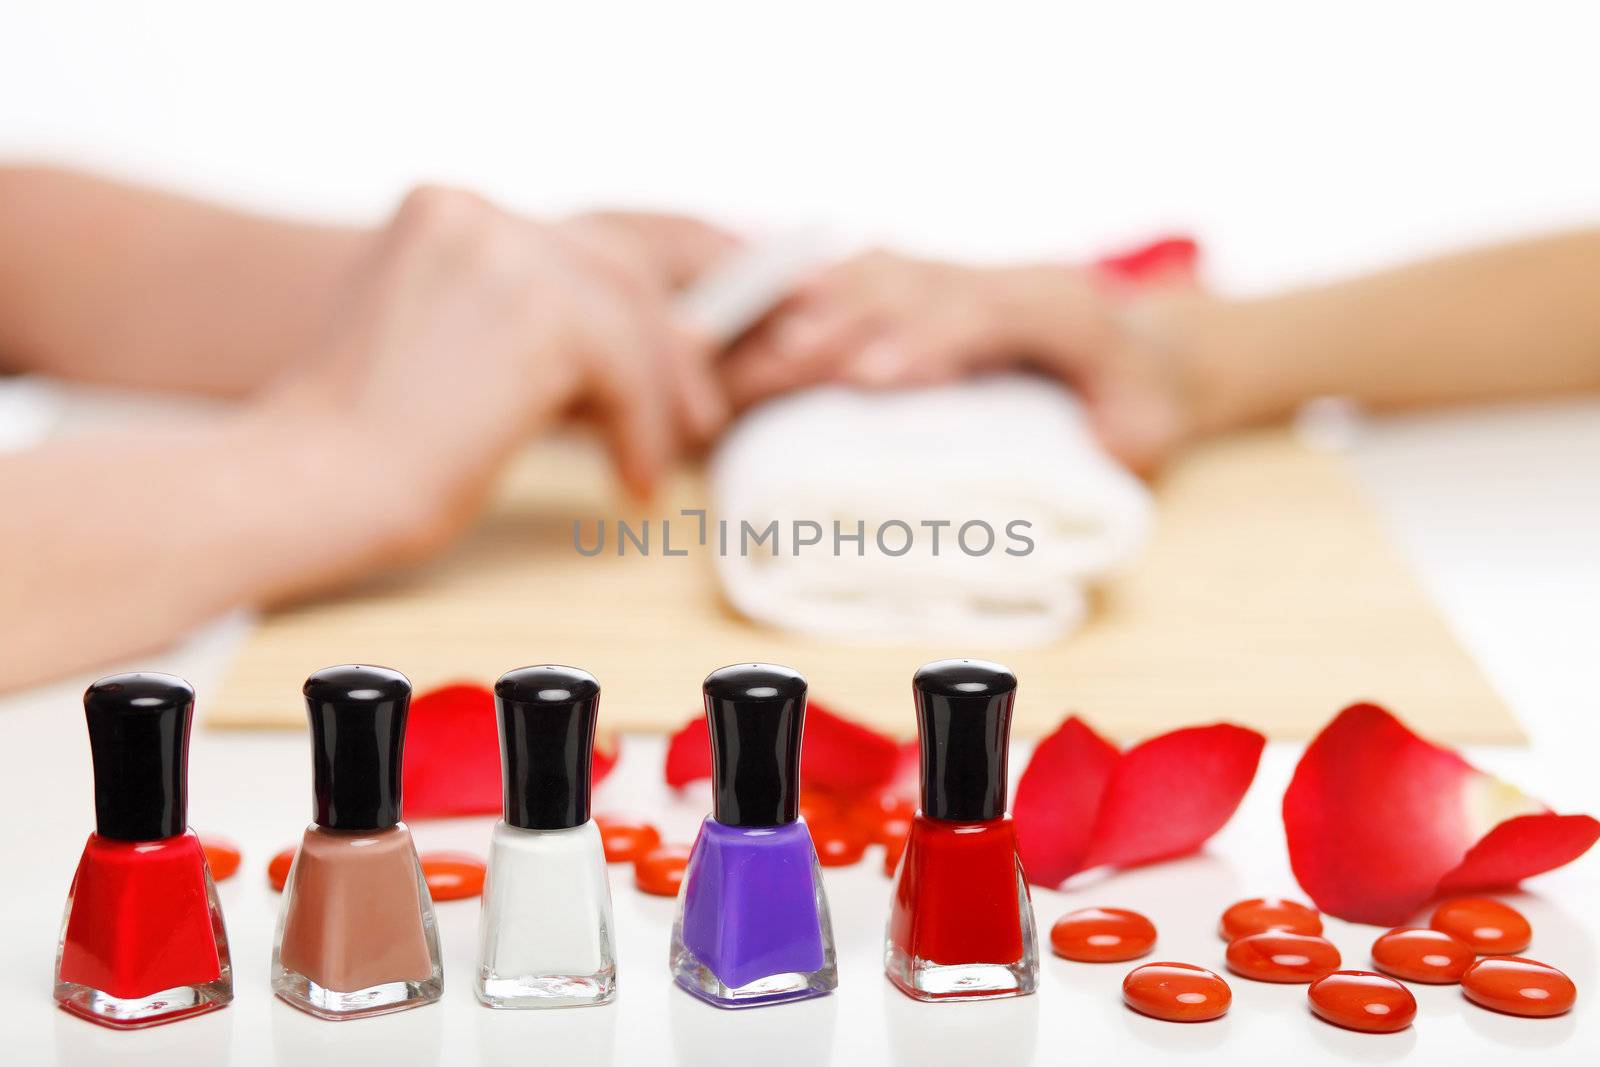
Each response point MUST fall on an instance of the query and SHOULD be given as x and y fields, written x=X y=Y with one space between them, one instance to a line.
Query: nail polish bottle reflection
x=143 y=941
x=356 y=930
x=753 y=925
x=962 y=921
x=544 y=935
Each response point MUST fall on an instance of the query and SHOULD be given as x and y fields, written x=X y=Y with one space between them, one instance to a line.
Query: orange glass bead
x=626 y=841
x=838 y=844
x=1277 y=956
x=1421 y=955
x=660 y=870
x=1518 y=986
x=1102 y=935
x=222 y=856
x=278 y=868
x=1361 y=1000
x=452 y=875
x=1176 y=992
x=1260 y=914
x=885 y=819
x=1488 y=927
x=817 y=806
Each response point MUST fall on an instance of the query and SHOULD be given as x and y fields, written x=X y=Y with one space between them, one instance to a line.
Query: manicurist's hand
x=883 y=319
x=458 y=331
x=652 y=257
x=469 y=328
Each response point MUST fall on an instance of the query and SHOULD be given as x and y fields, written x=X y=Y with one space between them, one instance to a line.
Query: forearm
x=1504 y=322
x=107 y=282
x=120 y=544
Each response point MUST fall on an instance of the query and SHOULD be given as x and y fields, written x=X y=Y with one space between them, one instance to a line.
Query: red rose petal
x=1379 y=820
x=892 y=851
x=1373 y=817
x=835 y=753
x=1169 y=794
x=906 y=782
x=689 y=753
x=1519 y=848
x=1168 y=260
x=452 y=754
x=607 y=749
x=1058 y=797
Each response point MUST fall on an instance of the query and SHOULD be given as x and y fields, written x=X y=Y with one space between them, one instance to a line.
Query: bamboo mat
x=1268 y=596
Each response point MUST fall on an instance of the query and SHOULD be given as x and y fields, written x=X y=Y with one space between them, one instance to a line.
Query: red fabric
x=1379 y=820
x=1080 y=803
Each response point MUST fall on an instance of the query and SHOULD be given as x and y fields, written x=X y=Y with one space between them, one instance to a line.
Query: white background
x=1298 y=139
x=1299 y=142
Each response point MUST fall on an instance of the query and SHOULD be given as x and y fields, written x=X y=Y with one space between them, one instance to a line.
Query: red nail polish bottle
x=962 y=925
x=143 y=941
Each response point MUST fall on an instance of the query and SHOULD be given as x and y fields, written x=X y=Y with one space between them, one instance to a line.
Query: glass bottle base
x=301 y=992
x=697 y=978
x=130 y=1013
x=546 y=990
x=925 y=980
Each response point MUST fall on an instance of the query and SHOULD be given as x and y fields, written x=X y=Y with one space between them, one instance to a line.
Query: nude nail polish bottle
x=356 y=929
x=545 y=929
x=753 y=926
x=962 y=924
x=142 y=941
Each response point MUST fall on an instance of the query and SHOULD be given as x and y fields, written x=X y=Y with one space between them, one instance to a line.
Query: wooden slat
x=1269 y=596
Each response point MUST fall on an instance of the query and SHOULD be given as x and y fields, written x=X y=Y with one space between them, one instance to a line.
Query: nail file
x=735 y=294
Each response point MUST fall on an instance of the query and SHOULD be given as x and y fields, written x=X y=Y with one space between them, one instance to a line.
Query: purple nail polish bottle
x=753 y=924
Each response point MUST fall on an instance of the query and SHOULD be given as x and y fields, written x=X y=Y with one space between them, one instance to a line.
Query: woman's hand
x=652 y=257
x=882 y=319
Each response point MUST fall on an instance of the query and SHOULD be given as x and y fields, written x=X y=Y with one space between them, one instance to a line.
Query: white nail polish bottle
x=544 y=936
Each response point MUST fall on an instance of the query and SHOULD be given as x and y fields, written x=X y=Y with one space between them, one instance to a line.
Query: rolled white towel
x=1036 y=512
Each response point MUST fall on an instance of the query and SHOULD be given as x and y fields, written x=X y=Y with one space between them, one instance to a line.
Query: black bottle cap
x=964 y=719
x=756 y=712
x=547 y=718
x=358 y=731
x=139 y=738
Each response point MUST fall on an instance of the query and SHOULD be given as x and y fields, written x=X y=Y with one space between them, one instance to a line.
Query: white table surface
x=1499 y=510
